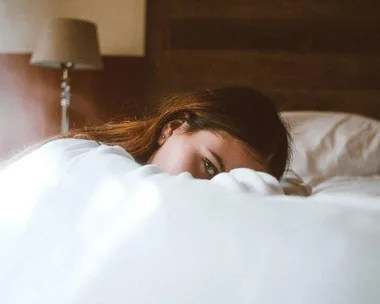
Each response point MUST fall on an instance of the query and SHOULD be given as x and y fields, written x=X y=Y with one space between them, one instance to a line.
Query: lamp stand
x=66 y=67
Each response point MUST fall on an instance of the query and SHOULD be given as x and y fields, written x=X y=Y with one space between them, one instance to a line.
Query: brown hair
x=242 y=112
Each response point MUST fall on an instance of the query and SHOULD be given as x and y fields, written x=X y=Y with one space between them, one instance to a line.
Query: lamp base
x=67 y=67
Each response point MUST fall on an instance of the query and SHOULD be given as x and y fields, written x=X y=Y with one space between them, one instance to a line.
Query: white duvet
x=111 y=231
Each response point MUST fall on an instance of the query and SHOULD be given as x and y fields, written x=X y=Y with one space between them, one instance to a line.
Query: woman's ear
x=169 y=129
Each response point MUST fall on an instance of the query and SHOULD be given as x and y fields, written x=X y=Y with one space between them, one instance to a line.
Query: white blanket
x=107 y=230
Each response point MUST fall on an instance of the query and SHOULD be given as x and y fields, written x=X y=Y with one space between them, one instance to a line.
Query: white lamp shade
x=66 y=40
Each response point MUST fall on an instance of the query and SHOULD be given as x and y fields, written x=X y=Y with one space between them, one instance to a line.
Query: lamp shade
x=66 y=40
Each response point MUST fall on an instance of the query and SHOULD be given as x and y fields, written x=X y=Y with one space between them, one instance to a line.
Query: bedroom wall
x=304 y=54
x=29 y=95
x=121 y=23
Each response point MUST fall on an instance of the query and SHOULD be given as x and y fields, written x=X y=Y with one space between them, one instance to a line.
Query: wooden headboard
x=305 y=55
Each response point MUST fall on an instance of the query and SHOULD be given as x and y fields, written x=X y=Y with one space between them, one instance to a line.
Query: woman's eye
x=210 y=168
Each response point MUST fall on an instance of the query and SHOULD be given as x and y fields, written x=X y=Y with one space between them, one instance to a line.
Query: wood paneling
x=118 y=90
x=276 y=9
x=274 y=70
x=322 y=55
x=30 y=105
x=342 y=36
x=365 y=102
x=158 y=38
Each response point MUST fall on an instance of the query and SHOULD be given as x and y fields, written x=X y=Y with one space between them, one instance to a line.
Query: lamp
x=68 y=44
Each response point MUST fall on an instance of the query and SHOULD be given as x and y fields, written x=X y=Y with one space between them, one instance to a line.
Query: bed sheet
x=125 y=237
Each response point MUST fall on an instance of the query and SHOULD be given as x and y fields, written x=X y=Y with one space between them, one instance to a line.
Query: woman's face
x=204 y=154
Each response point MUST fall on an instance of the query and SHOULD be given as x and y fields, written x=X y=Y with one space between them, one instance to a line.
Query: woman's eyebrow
x=219 y=161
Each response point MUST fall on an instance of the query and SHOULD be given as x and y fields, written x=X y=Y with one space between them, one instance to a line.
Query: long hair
x=242 y=112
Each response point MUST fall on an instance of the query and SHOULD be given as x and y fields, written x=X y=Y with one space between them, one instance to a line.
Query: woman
x=204 y=133
x=68 y=207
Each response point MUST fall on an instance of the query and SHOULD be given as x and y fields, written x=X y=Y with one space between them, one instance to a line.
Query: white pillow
x=328 y=144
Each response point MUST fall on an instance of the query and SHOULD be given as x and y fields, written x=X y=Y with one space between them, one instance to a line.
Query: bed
x=152 y=239
x=137 y=237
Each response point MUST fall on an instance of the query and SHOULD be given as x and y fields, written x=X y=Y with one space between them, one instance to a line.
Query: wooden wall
x=30 y=102
x=310 y=54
